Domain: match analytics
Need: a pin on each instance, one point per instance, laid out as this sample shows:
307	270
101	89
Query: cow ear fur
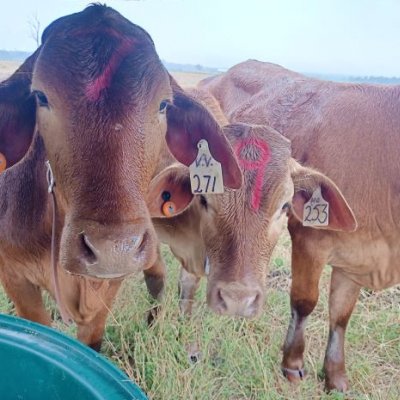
175	181
17	113
306	181
188	122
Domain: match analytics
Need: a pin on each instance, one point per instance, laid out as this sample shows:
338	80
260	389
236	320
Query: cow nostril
143	243
253	304
221	300
88	250
249	301
256	300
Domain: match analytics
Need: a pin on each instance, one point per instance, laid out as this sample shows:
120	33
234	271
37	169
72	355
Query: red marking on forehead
103	81
98	31
257	165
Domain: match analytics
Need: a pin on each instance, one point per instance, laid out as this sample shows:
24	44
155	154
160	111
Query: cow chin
100	251
244	298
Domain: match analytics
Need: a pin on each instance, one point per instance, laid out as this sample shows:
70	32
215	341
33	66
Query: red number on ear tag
3	162
169	209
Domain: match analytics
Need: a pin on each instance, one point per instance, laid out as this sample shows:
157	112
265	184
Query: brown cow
233	234
96	102
351	132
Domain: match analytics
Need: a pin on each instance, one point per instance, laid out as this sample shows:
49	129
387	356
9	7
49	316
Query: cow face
97	94
239	229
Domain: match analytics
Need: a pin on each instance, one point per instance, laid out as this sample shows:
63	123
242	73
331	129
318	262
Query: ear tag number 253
206	172
316	210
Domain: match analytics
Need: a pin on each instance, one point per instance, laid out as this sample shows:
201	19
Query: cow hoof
338	382
152	315
96	346
293	375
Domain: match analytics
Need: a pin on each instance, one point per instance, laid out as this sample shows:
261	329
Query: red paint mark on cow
257	165
97	31
103	81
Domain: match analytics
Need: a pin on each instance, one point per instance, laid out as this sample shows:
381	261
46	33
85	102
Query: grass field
240	359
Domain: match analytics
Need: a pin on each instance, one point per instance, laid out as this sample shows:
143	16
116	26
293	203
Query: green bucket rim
70	355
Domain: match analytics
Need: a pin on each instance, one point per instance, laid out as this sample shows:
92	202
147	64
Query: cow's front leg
306	273
155	282
155	277
26	297
94	303
188	285
342	299
91	331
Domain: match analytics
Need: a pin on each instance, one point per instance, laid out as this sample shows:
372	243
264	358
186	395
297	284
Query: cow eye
41	98
286	207
203	202
163	106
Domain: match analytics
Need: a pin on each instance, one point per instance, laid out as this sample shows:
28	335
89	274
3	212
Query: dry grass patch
188	79
240	359
7	68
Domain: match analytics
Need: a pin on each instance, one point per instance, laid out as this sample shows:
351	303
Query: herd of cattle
119	133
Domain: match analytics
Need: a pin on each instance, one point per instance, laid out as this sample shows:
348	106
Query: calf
95	101
351	132
230	236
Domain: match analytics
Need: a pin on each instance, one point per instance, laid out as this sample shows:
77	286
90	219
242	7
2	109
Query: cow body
350	132
96	101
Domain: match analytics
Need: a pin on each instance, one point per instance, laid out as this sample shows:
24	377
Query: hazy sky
328	36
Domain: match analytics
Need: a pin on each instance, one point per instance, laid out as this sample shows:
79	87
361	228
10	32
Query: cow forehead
263	158
89	58
263	155
235	209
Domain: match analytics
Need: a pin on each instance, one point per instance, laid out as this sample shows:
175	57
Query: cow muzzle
236	299
107	252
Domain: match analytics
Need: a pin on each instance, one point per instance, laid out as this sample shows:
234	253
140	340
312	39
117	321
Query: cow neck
66	317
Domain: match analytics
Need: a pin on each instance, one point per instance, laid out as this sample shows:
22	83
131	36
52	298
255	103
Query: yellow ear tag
3	162
169	209
205	172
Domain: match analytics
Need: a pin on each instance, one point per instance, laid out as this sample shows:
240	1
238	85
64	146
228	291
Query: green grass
240	359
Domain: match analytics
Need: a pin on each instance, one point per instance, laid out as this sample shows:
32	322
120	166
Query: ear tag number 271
206	172
316	210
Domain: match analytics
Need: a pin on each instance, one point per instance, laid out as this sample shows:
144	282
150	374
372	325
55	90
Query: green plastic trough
37	362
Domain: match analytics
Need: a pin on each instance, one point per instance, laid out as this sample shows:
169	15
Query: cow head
239	229
97	94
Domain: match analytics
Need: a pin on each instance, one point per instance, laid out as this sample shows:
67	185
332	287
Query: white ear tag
205	172
207	266
316	210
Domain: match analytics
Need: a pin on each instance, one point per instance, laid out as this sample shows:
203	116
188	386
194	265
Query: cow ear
306	181
17	114
188	122
171	185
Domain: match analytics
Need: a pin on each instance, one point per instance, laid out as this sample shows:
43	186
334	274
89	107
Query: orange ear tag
3	162
169	209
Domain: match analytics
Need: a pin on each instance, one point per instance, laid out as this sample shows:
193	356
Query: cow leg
342	299
91	332
95	303
306	273
155	278
155	282
27	298
188	285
